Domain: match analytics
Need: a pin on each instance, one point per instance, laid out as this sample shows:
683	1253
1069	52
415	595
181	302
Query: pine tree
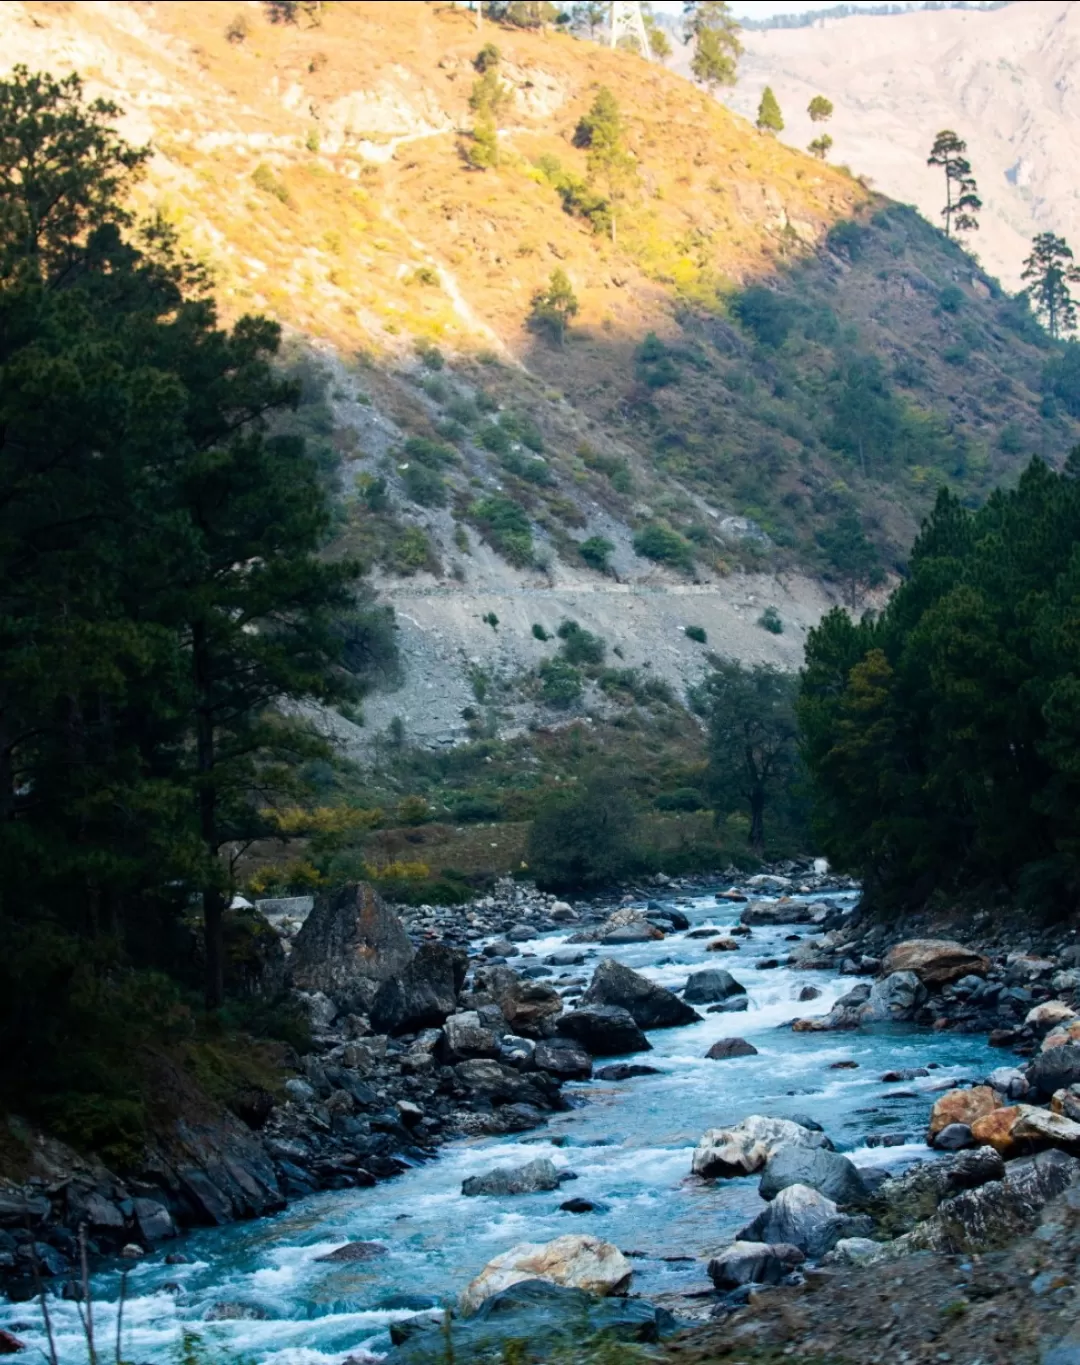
962	200
820	109
711	27
769	118
1050	270
610	163
820	147
553	308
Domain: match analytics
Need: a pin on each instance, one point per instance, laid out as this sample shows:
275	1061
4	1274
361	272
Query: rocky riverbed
691	1096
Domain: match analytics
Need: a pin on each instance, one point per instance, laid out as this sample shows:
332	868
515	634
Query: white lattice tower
627	22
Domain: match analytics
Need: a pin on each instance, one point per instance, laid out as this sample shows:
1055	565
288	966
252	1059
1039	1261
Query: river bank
262	1289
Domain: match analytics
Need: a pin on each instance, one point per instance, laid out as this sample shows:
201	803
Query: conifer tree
769	118
820	147
711	27
962	200
820	109
554	308
1050	270
610	163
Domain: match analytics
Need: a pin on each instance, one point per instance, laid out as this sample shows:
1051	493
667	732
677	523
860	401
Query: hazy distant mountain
1007	80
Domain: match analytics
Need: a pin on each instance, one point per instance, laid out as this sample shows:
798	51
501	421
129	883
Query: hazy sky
762	9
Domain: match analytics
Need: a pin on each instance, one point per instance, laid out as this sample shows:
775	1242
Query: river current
629	1144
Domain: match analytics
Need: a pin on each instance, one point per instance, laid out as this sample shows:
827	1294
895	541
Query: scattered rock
563	1057
604	1030
898	997
805	1218
961	1106
1049	1013
464	1038
705	988
10	1344
235	1312
783	911
578	1262
1018	1129
723	945
352	1252
827	1172
935	961
423	994
809	993
580	1205
954	1137
625	1071
731	1047
650	1005
533	1178
745	1147
1054	1070
754	1263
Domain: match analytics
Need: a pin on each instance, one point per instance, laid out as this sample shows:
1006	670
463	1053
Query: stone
855	1251
628	925
563	912
784	911
10	1344
563	1057
566	957
533	1178
353	1252
724	1048
154	1221
579	1205
1049	1013
705	988
737	1004
320	1009
235	1312
349	944
754	1263
1018	1129
625	1071
1055	1069
961	1106
896	998
574	1261
723	945
827	1172
918	1191
954	1137
526	1005
423	994
1061	1036
745	1147
809	993
132	1251
935	961
650	1005
515	1051
1009	1081
1067	1102
464	1038
498	1083
604	1030
802	1217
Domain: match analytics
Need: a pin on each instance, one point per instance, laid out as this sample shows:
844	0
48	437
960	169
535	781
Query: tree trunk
213	899
757	820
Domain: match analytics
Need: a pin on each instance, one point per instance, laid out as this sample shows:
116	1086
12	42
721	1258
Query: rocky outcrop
895	998
1054	1069
527	1006
754	1263
423	994
575	1261
604	1030
532	1178
1015	1130
724	1048
935	961
650	1005
803	1217
961	1106
827	1172
348	946
745	1147
707	987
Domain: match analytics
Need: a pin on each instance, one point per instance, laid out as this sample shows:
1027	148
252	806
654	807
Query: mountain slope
1005	80
771	371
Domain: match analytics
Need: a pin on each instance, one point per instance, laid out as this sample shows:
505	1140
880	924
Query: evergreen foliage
820	147
554	308
820	109
769	117
942	737
1050	270
610	164
585	838
962	200
711	27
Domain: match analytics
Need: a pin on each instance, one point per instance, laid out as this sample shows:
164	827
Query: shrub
410	551
430	355
764	313
663	545
267	181
415	810
683	798
696	633
430	453
554	308
847	239
495	438
539	633
476	806
584	838
770	620
580	646
423	485
237	29
951	298
491	620
486	58
1061	378
505	525
481	152
596	551
655	363
561	685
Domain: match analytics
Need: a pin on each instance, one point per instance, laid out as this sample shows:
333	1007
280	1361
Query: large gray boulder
781	911
935	961
746	1146
802	1217
533	1178
465	1038
707	987
753	1263
348	946
527	1006
651	1006
563	1057
895	998
604	1030
424	994
827	1172
1055	1069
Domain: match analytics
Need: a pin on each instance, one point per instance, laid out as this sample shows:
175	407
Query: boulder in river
625	1071
723	945
961	1106
628	925
526	1005
754	1263
576	1261
533	1178
424	993
895	998
705	988
604	1030
805	1218
651	1006
935	961
724	1048
1017	1129
745	1147
1054	1070
735	1004
827	1172
563	1057
349	944
783	911
353	1252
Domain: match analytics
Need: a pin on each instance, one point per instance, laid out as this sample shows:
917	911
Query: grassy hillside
742	352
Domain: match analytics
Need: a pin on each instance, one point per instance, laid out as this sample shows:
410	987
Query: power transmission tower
627	22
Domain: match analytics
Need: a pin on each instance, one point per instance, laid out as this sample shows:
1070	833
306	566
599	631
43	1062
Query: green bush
596	551
431	453
1061	378
495	438
267	181
560	682
696	633
505	525
847	239
682	799
656	363
584	839
951	299
766	314
770	620
425	486
476	807
580	646
539	633
665	546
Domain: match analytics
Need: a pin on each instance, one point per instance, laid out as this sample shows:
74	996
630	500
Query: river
630	1145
